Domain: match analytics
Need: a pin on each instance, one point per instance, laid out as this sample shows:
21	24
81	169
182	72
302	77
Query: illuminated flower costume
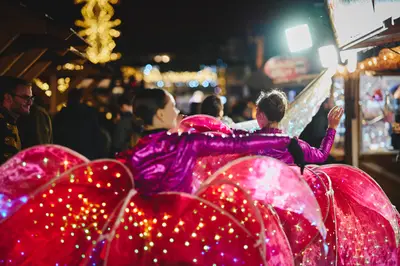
191	199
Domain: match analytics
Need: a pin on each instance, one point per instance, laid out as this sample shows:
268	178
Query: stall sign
286	68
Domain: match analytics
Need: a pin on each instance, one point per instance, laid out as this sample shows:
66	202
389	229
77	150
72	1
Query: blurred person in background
77	127
125	133
104	106
315	131
243	111
16	99
36	128
212	106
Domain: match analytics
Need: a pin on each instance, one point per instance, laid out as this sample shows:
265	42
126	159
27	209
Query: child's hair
273	104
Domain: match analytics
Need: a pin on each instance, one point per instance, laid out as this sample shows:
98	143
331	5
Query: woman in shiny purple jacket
164	161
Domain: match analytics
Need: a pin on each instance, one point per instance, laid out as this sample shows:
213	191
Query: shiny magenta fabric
203	123
311	154
164	161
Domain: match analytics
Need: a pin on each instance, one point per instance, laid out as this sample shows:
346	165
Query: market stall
367	84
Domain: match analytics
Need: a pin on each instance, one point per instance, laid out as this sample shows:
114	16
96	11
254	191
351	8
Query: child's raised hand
334	117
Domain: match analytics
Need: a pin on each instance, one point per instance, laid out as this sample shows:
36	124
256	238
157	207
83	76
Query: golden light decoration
388	59
41	85
61	106
70	66
128	71
99	29
63	84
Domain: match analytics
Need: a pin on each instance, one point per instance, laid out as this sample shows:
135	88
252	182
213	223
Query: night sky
190	28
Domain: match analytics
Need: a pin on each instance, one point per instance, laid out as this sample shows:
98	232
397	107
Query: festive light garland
62	85
386	60
154	75
99	30
70	67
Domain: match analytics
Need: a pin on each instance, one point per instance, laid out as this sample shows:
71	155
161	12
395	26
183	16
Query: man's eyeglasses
26	98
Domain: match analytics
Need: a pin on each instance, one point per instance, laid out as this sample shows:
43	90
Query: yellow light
165	58
109	116
60	106
99	29
70	67
158	58
62	88
115	56
154	75
42	85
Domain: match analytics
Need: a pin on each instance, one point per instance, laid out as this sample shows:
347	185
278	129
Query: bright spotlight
328	56
299	38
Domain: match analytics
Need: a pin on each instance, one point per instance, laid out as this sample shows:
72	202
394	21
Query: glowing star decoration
99	29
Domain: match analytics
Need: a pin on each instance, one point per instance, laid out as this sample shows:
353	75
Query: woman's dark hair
147	102
211	105
273	104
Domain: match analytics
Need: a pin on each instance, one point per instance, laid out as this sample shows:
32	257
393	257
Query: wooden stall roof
29	45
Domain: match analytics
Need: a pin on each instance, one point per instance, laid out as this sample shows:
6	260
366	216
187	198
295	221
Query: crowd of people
105	124
187	191
101	126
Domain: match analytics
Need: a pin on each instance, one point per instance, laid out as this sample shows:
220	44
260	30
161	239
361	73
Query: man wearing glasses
15	100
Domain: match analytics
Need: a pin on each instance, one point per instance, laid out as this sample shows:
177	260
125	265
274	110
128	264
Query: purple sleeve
210	144
314	155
